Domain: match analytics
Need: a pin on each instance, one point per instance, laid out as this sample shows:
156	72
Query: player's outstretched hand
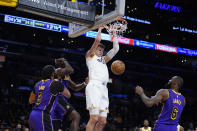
139	90
60	62
102	27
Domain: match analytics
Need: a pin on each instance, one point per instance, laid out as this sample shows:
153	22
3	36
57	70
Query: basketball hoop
119	26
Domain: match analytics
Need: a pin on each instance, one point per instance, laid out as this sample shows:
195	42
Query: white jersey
97	69
149	129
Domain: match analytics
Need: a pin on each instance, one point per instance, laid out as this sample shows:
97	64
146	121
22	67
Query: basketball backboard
108	12
62	10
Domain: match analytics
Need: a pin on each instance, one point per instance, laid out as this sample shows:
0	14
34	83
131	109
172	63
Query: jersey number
39	98
174	113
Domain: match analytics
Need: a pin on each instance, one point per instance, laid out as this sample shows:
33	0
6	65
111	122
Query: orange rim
121	19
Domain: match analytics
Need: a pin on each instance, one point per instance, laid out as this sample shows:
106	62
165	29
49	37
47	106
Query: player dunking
173	104
96	91
44	95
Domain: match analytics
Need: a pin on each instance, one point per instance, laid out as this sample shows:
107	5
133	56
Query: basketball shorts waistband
98	82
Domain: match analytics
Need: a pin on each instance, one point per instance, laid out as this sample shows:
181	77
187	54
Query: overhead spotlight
184	60
62	39
34	35
147	37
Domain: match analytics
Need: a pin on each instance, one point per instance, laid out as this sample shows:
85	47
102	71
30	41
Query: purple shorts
40	121
163	127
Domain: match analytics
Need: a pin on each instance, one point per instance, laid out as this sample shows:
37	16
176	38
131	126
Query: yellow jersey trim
42	120
66	78
100	109
176	92
45	80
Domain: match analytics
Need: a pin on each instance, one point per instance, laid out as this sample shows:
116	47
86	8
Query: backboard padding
99	21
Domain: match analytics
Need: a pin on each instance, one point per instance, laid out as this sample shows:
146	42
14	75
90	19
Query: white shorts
97	100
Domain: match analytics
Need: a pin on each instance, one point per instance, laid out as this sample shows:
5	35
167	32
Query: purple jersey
59	110
172	109
46	92
65	81
44	97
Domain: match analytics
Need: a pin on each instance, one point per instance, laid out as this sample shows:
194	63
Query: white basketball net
119	26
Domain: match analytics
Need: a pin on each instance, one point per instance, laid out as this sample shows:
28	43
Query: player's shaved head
179	80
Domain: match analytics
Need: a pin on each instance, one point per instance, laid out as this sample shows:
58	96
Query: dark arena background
160	42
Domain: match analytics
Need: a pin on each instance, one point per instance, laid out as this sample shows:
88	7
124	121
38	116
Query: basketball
118	67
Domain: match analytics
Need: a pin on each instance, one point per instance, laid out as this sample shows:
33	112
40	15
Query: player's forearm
115	48
115	44
66	93
69	66
67	69
146	100
97	39
95	44
77	87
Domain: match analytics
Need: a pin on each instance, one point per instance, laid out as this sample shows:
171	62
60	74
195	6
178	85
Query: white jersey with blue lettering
97	101
97	69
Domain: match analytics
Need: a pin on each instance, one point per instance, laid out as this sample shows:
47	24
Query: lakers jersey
172	109
97	69
58	111
44	97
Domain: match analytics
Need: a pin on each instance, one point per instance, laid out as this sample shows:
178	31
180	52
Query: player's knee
94	119
75	115
102	121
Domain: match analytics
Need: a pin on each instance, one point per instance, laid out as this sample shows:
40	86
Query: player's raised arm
161	96
114	50
90	53
66	68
